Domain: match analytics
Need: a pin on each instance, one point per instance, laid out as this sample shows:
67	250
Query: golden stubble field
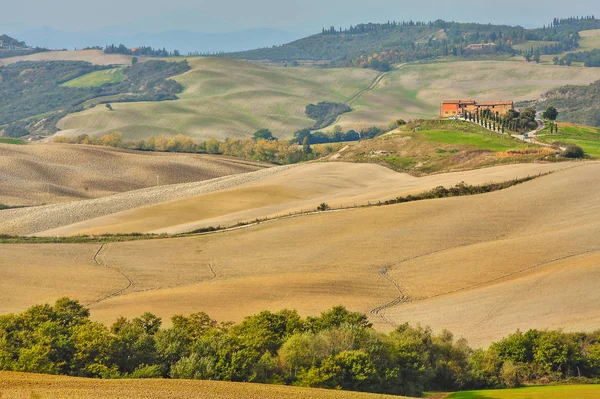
244	197
39	173
482	266
27	386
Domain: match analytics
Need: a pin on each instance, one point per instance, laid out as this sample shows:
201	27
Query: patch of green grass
98	78
489	141
585	137
9	140
545	392
399	163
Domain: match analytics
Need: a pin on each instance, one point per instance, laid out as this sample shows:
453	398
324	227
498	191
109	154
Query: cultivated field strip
38	173
278	192
21	385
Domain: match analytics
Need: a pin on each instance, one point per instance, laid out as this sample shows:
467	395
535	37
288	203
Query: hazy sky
299	16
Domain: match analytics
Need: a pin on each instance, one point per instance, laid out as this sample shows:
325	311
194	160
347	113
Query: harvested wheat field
97	57
482	266
38	173
228	200
25	386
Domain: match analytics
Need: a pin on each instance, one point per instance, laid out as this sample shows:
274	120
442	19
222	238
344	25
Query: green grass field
9	140
585	137
98	78
483	141
546	392
433	146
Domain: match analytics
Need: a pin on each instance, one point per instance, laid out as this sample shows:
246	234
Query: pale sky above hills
302	17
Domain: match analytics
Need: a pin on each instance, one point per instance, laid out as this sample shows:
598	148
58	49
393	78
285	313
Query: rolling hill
38	174
432	254
226	98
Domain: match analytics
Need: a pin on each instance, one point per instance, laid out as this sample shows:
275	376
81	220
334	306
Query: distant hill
577	104
183	40
393	42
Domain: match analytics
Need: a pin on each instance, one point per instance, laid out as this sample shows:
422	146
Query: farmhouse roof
499	102
469	101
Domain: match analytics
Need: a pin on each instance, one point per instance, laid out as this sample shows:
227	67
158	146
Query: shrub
145	371
573	151
323	207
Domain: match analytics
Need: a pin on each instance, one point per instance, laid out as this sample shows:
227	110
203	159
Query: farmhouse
451	108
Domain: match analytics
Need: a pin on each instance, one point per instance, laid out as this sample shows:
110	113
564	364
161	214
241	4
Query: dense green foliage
338	349
380	45
589	58
326	113
577	104
29	89
11	141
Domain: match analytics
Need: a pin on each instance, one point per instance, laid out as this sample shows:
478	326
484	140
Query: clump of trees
325	113
338	349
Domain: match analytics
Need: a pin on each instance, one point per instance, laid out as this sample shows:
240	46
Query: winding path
358	95
100	261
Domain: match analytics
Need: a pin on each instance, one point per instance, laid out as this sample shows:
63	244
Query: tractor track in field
100	261
358	95
403	298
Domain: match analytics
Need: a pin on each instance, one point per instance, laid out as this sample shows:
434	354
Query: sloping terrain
482	266
21	385
244	197
226	98
37	174
416	91
96	57
433	146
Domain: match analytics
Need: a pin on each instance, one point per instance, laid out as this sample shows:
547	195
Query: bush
323	207
573	151
145	371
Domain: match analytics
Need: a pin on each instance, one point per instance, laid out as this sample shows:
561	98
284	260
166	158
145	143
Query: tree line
262	147
144	51
338	349
515	121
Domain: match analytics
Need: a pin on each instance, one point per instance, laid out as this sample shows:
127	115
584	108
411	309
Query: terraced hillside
21	385
226	98
37	174
532	262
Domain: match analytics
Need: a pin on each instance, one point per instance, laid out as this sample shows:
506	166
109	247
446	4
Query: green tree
551	113
264	134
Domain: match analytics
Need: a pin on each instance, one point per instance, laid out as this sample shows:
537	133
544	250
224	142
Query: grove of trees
338	349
